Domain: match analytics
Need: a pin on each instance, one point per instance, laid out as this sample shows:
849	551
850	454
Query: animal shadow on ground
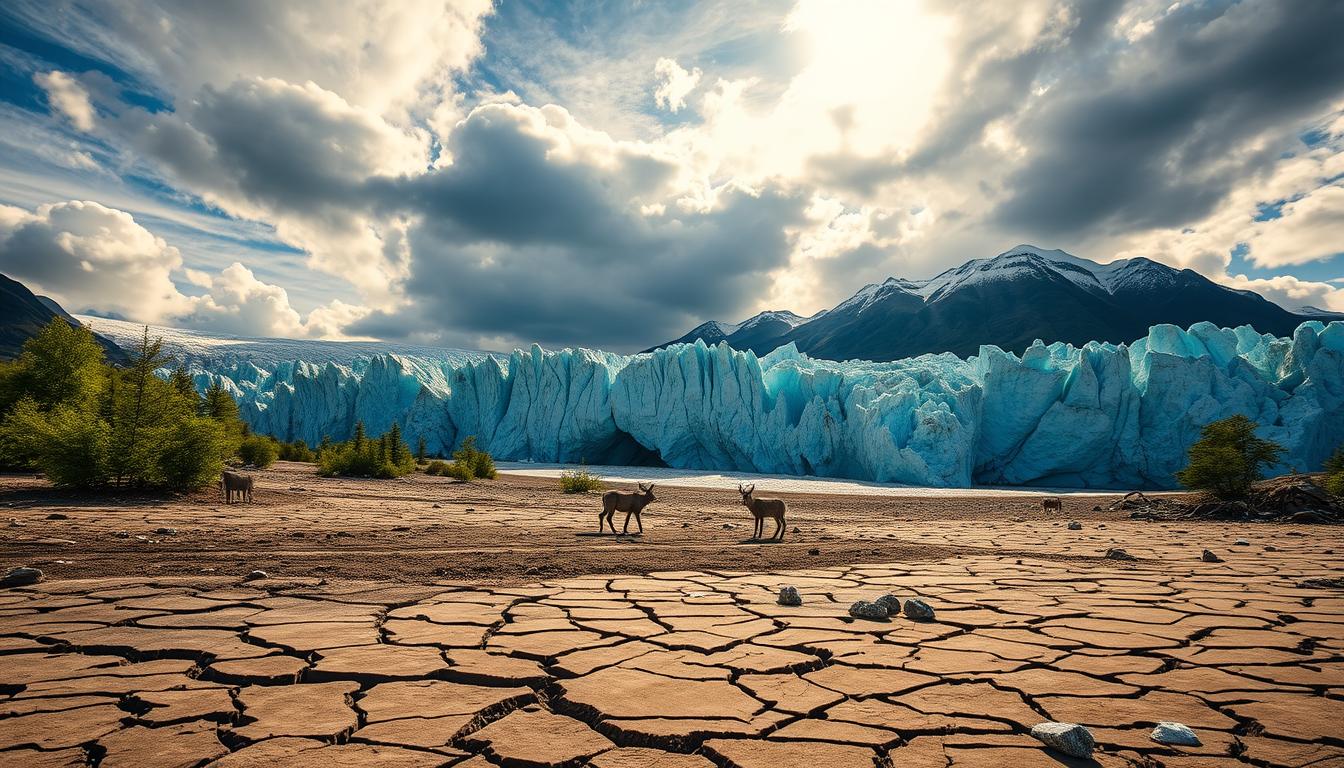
760	541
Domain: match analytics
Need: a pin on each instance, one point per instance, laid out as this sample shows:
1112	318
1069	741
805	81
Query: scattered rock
344	534
891	602
1271	548
1074	525
166	531
1070	738
1096	507
1176	734
790	596
21	576
57	516
918	610
255	575
685	525
729	526
1116	553
122	535
814	551
1242	543
1209	557
866	610
1306	516
1019	519
440	506
1322	583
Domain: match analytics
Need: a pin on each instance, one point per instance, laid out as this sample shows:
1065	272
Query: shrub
384	457
579	481
436	467
193	453
297	451
1334	472
459	472
478	462
258	451
1228	458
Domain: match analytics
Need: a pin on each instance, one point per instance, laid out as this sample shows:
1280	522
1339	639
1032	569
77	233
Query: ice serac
1101	415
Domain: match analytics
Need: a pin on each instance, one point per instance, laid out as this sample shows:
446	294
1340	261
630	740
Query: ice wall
1097	416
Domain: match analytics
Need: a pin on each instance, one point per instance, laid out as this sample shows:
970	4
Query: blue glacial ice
1103	415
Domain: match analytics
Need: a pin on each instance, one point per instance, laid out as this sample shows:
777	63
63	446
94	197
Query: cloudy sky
610	174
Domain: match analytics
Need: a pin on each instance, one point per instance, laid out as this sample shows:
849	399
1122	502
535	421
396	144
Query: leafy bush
436	467
1228	458
258	451
193	453
579	481
297	451
385	457
87	424
479	463
1334	472
459	472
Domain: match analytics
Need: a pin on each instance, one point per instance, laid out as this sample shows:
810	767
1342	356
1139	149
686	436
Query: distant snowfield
694	478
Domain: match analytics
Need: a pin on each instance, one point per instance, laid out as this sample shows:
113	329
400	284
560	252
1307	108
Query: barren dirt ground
515	528
426	623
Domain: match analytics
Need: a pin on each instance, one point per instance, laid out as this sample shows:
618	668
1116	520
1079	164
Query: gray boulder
1116	553
918	610
866	610
790	596
1177	734
1074	525
256	575
1069	738
21	576
891	602
1209	557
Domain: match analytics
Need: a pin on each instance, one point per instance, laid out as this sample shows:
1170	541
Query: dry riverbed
422	622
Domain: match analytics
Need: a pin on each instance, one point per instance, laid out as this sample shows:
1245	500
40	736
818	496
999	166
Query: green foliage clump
259	451
472	459
1334	472
88	425
1228	458
297	451
436	467
579	481
386	456
459	472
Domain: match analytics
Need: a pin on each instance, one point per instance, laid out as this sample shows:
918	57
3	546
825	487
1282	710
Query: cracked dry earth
699	668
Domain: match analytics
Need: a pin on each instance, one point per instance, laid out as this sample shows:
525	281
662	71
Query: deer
629	503
233	482
762	509
1052	503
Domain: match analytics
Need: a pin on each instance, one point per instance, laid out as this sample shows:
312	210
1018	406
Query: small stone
21	576
1071	739
796	530
729	526
1209	557
1019	519
866	610
1074	525
1177	734
1271	548
122	535
58	516
255	575
790	596
440	506
891	602
814	551
918	610
166	531
1096	507
685	525
1242	543
1116	553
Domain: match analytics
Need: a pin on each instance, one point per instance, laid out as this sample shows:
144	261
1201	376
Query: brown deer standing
233	482
1052	503
762	509
629	503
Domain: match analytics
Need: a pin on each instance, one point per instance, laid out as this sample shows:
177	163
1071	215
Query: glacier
1097	416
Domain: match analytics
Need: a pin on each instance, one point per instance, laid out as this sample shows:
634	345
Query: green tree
72	446
480	463
259	451
1228	458
145	404
192	453
420	448
61	365
1334	472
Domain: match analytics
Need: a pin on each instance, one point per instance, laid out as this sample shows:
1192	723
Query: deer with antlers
762	509
629	503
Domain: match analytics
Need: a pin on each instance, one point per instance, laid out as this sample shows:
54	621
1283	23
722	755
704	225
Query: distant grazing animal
1052	504
233	482
762	509
629	503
